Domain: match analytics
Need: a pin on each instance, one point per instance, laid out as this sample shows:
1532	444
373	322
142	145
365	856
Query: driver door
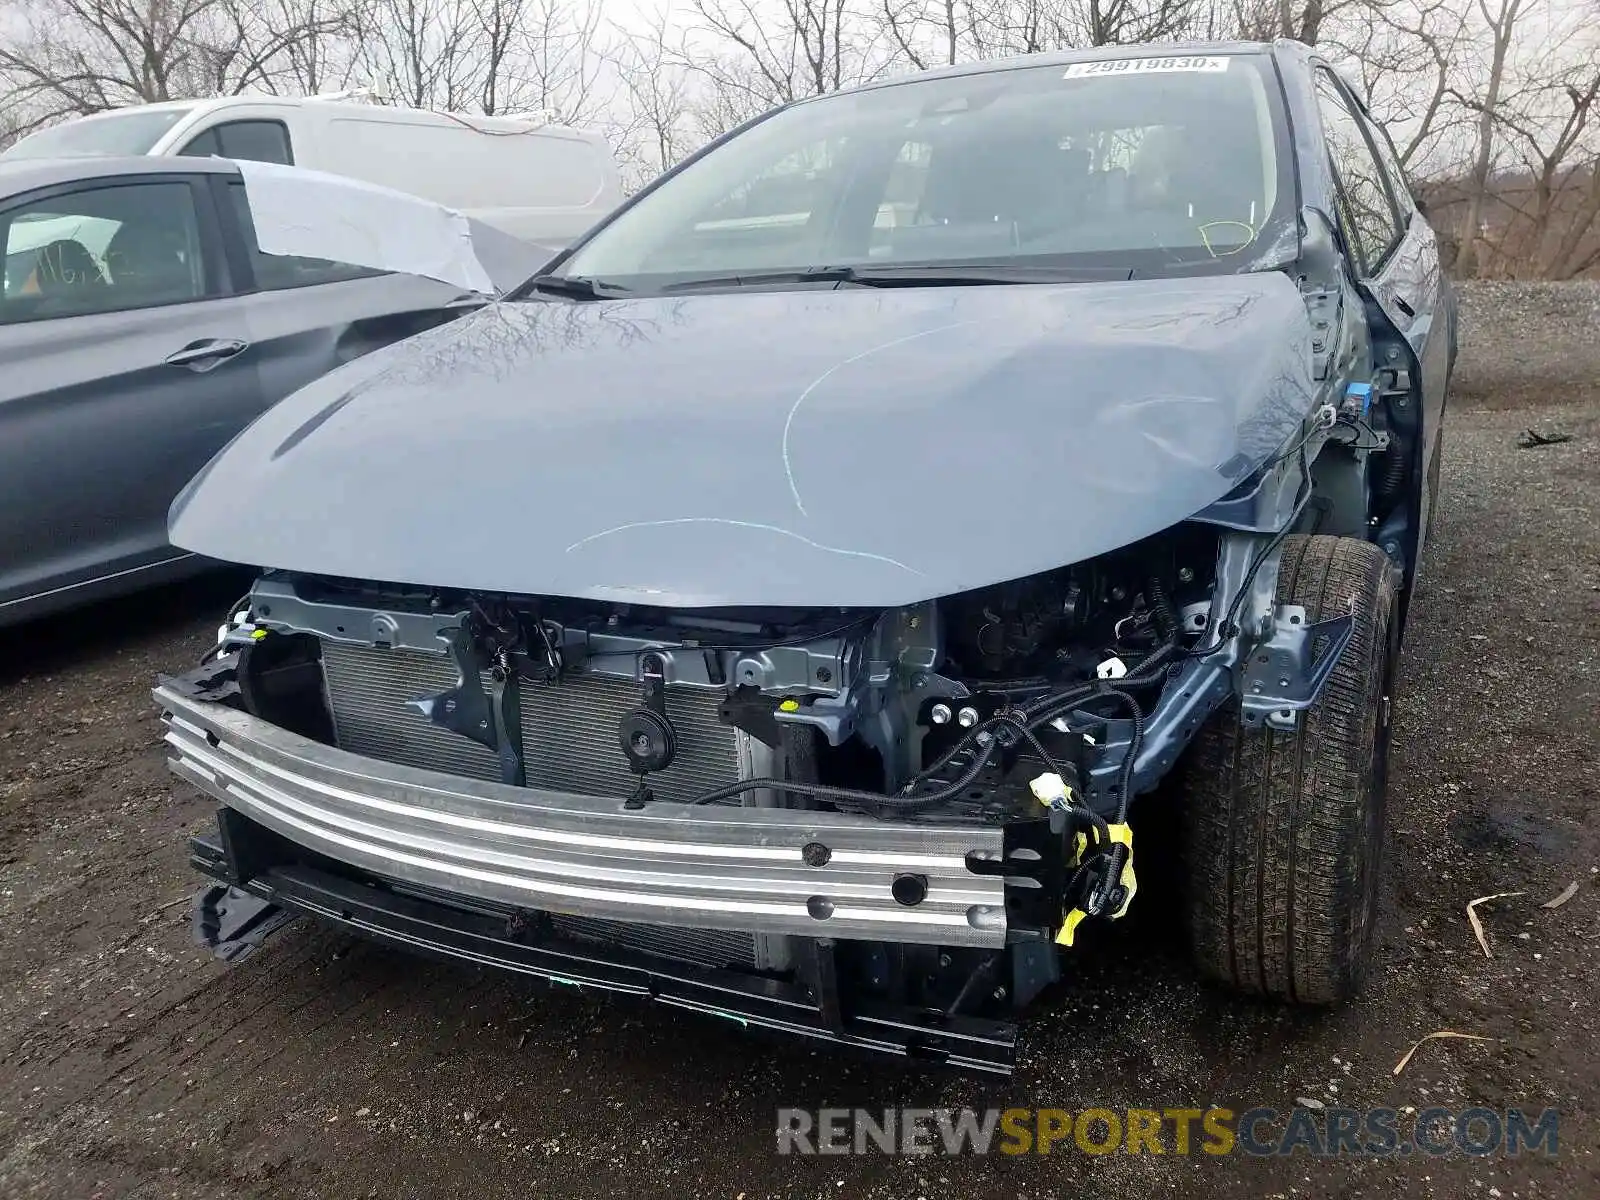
127	365
1396	260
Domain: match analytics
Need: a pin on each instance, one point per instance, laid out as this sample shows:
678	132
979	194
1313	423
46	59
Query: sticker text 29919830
1147	66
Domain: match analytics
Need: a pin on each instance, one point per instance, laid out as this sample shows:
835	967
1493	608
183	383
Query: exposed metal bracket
1285	674
489	716
823	666
232	923
1358	434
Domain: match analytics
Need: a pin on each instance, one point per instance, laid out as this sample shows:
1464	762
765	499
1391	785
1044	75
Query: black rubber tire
1284	831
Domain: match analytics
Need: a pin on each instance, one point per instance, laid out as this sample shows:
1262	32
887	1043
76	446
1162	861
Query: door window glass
101	249
1390	161
1369	214
253	141
205	145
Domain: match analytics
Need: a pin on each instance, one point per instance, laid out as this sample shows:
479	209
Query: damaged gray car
776	608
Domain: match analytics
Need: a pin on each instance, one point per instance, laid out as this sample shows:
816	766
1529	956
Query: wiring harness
982	741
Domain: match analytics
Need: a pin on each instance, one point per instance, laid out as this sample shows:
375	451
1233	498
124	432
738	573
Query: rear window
276	272
132	132
460	167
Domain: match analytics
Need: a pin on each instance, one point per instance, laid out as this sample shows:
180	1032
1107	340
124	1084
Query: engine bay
946	709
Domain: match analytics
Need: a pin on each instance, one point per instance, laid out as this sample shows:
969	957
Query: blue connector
1362	392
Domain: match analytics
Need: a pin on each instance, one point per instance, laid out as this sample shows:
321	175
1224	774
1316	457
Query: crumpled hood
837	447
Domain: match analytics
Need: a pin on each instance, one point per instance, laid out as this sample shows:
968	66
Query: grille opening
569	735
569	729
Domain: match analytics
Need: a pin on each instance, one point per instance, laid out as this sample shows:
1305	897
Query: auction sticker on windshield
1147	66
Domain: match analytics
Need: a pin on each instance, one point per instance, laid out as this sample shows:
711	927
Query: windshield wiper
757	278
912	275
890	275
575	287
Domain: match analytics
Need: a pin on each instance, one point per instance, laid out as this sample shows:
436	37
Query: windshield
122	133
1151	165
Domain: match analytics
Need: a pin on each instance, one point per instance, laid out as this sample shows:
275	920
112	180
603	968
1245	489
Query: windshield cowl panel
1151	166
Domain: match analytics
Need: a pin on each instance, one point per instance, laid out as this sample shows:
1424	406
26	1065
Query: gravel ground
1528	344
132	1065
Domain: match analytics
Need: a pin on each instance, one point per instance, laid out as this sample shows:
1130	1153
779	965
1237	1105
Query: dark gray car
140	329
779	607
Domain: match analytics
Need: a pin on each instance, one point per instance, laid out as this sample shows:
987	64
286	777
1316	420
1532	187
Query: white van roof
545	183
354	102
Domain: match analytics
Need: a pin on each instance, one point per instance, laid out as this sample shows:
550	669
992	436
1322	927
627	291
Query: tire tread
1284	828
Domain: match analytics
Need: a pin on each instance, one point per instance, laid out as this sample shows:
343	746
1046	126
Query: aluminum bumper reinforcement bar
762	870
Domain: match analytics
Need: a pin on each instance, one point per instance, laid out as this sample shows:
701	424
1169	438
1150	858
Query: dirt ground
131	1064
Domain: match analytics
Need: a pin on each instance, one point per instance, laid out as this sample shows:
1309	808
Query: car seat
151	260
1200	184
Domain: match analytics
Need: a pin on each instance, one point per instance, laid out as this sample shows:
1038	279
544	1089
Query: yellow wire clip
1129	881
1053	792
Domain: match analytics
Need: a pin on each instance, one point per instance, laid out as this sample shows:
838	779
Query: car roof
1052	58
167	105
24	174
519	122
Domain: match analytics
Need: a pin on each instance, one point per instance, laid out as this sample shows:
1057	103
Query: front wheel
1284	830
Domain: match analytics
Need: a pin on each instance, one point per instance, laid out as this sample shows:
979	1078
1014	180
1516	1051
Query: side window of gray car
109	248
1371	223
1398	184
275	272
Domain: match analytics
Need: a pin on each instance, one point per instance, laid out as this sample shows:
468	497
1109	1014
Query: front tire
1284	830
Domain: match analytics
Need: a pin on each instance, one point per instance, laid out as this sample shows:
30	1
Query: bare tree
1263	20
658	88
324	59
925	32
1500	21
1113	22
998	28
271	46
1408	55
1495	102
560	63
781	52
498	27
1577	251
728	92
420	52
1551	201
74	57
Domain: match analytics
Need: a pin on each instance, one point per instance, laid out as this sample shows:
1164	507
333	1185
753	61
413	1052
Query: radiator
569	739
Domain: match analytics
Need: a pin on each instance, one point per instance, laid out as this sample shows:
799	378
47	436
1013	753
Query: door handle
205	354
